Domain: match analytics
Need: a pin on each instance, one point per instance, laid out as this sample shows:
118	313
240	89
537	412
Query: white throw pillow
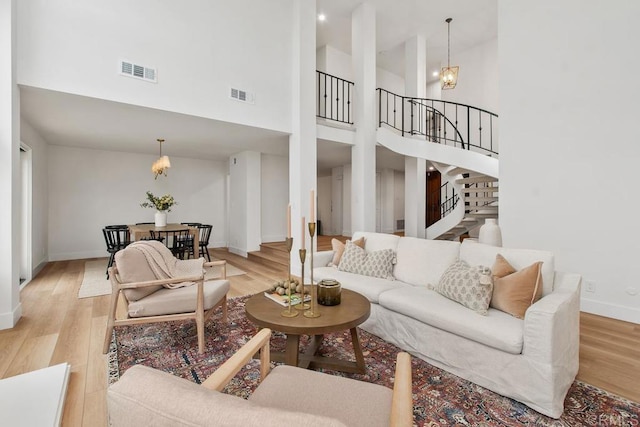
375	264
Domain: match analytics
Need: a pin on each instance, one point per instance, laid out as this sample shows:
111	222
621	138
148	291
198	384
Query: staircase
458	140
270	253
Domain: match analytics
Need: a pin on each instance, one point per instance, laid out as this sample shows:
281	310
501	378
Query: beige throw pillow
469	286
515	291
338	250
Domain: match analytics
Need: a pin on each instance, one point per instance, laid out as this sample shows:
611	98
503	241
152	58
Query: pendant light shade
161	165
449	74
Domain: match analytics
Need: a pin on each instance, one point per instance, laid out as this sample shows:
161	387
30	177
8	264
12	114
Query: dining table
139	231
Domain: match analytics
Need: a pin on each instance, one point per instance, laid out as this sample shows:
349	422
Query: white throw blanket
165	266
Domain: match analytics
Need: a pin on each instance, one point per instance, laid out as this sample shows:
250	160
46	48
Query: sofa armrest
552	325
322	258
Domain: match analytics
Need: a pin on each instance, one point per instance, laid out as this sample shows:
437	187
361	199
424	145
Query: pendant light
161	165
449	74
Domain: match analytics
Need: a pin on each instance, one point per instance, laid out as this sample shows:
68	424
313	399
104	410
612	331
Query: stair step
268	258
481	199
274	248
492	189
476	179
484	215
460	171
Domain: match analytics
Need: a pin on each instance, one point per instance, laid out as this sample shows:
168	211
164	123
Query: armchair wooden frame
402	401
200	315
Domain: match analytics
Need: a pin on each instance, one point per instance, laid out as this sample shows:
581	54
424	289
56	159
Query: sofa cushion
148	397
338	250
370	287
497	329
467	285
421	262
475	253
515	291
355	403
178	300
377	241
375	264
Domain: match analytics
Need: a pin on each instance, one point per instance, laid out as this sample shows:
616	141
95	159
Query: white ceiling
72	120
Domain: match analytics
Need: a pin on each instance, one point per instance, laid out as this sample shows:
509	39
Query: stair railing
443	122
334	98
450	200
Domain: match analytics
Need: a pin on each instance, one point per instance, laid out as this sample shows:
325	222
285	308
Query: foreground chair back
286	396
149	300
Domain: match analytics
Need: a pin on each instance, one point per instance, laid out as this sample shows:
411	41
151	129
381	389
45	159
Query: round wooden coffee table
351	312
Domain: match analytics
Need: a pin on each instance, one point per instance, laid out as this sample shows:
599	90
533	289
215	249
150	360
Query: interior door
433	197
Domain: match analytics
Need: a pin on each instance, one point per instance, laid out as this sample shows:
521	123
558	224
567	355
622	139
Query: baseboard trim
274	238
64	256
9	319
238	251
614	311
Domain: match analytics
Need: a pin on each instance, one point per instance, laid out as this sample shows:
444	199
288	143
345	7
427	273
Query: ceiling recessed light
321	17
436	74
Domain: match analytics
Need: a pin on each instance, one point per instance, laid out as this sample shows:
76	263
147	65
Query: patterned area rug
95	282
440	398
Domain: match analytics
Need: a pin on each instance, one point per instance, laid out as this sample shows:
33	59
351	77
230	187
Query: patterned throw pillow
338	250
375	264
469	286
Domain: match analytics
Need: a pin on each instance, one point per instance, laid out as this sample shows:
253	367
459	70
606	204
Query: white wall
89	189
398	202
324	204
569	136
40	195
346	201
200	49
275	197
339	64
478	77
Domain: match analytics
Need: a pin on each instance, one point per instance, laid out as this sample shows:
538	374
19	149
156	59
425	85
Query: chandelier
161	165
449	74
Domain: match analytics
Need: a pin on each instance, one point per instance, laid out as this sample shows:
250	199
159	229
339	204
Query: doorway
433	197
25	214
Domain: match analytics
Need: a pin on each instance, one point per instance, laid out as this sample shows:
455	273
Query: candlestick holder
303	305
288	312
313	310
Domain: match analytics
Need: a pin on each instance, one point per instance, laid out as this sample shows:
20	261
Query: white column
363	153
302	142
245	202
10	308
388	200
415	169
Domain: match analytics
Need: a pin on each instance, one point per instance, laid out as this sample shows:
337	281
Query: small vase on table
161	218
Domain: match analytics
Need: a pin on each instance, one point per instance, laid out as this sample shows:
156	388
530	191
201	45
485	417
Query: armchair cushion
355	403
145	396
179	300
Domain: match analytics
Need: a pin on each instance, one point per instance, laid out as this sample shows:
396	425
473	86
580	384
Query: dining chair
286	395
134	281
116	237
189	242
205	235
175	240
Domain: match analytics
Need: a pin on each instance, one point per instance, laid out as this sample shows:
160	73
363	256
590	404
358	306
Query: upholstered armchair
285	396
149	299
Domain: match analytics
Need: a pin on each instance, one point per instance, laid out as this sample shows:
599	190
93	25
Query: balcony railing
334	98
443	122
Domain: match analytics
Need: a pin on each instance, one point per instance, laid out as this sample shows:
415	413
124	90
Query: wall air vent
130	69
241	95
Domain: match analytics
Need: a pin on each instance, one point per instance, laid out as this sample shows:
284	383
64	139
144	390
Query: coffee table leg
291	350
357	350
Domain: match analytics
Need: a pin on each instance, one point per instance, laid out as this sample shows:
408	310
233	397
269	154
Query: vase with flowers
162	205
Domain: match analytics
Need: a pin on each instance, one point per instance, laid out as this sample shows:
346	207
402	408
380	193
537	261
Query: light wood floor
57	326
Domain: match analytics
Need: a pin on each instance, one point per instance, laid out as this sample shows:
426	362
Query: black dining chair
190	250
116	237
175	240
205	235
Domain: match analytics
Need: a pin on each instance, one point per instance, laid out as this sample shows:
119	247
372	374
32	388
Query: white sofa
532	360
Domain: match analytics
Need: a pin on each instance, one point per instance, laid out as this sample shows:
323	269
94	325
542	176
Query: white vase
490	233
161	218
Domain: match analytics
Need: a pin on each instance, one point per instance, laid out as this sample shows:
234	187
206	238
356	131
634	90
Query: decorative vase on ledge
490	233
161	218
